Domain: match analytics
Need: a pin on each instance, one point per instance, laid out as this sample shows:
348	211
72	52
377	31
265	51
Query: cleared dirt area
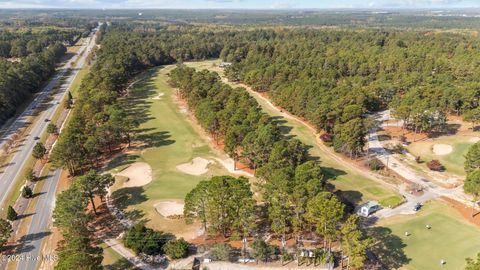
138	174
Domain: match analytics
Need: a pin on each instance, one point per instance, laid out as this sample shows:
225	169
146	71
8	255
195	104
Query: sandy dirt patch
183	110
159	97
228	164
442	149
169	208
138	174
474	139
197	166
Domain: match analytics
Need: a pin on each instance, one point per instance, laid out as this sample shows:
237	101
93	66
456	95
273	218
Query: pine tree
11	213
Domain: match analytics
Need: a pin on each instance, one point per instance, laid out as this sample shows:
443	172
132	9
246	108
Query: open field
450	238
452	161
167	139
355	187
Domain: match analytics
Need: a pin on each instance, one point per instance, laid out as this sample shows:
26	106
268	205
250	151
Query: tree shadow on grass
130	196
121	264
155	139
332	173
281	123
309	156
388	248
351	198
120	161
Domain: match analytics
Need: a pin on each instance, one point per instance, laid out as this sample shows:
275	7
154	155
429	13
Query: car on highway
46	120
36	138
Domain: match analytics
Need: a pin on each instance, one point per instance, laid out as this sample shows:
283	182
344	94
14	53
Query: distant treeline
444	19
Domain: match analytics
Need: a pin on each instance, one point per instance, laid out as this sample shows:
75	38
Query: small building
367	208
224	64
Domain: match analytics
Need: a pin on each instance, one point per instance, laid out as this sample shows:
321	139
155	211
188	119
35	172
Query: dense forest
330	77
28	56
19	80
20	43
292	188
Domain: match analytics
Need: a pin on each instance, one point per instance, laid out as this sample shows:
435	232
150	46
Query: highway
41	220
13	169
30	252
31	256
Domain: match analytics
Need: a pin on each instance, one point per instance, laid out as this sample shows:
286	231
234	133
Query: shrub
176	249
51	128
326	137
435	165
30	176
375	164
262	250
27	192
221	252
11	213
145	240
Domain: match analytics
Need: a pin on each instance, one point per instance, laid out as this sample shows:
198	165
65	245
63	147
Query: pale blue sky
239	4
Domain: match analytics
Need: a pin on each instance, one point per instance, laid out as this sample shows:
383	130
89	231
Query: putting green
450	238
169	139
453	161
355	187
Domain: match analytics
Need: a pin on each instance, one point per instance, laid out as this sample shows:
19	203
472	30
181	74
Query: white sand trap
197	166
138	174
474	139
159	97
442	149
169	208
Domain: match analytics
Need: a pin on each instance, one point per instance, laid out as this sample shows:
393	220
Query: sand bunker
442	149
138	174
197	166
169	208
159	97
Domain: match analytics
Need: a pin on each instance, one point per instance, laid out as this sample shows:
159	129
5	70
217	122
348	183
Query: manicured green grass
78	80
454	161
355	187
450	238
170	140
113	260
